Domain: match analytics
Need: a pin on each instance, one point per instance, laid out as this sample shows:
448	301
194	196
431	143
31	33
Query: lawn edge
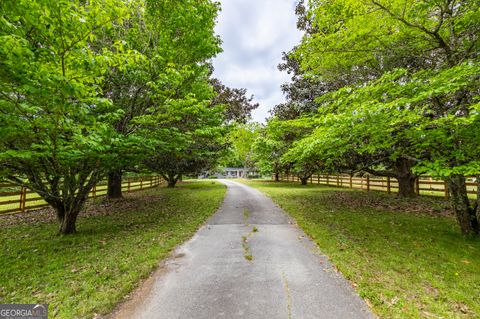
139	294
353	284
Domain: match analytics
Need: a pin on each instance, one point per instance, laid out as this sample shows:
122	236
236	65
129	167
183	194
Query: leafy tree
186	137
396	114
242	138
239	107
269	147
81	82
56	136
293	131
359	41
171	36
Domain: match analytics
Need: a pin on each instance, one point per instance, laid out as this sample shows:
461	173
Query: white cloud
254	34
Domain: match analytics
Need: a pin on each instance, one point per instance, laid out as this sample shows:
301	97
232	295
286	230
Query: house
234	172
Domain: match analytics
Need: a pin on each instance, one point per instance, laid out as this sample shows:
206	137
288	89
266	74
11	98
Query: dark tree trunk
114	190
466	214
304	180
68	224
171	179
277	177
406	186
406	178
67	217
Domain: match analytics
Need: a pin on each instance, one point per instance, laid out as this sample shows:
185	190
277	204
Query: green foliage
56	134
396	85
395	116
188	136
92	87
360	39
242	138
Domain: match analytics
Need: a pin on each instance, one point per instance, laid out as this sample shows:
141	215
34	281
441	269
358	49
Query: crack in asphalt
288	295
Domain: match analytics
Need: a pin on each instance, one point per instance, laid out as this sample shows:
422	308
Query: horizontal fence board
423	185
12	201
4	194
36	206
34	199
29	200
10	211
2	185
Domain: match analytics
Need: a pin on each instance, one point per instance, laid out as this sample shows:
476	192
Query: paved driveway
249	261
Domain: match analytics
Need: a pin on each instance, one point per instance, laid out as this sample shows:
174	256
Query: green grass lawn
406	258
118	244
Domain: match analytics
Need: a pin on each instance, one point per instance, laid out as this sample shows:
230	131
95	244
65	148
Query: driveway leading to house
249	261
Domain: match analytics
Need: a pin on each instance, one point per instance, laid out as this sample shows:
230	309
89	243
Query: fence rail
15	199
423	185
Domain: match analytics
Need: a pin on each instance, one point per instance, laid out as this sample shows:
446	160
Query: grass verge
406	258
118	244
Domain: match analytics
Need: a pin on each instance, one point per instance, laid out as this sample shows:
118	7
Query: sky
254	35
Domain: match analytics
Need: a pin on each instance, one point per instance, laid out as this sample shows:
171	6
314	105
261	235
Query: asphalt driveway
249	261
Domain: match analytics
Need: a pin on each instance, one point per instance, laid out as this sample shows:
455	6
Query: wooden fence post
389	190
311	179
338	181
94	191
141	183
447	193
23	199
351	181
417	185
368	183
318	179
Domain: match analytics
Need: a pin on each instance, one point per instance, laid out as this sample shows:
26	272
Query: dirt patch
93	208
430	206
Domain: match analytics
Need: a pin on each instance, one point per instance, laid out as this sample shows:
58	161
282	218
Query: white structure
234	172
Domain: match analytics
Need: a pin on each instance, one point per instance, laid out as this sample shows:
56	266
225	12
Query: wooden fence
15	199
423	185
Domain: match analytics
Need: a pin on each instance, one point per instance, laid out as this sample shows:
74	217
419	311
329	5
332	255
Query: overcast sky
254	34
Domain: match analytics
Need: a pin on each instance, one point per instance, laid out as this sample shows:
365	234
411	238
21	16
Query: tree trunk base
114	190
406	187
68	224
466	213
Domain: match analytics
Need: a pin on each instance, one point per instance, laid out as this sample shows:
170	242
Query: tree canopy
389	88
90	89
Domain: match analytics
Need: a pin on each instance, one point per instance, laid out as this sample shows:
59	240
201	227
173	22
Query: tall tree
396	114
242	138
172	36
56	136
238	107
193	146
359	41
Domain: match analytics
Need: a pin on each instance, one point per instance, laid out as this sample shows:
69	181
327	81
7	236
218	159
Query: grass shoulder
118	244
407	258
